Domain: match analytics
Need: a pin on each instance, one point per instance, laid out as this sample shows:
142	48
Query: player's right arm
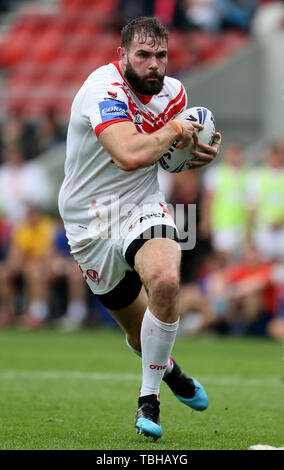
105	106
131	150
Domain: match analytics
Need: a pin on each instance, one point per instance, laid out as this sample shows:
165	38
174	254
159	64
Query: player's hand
205	153
189	133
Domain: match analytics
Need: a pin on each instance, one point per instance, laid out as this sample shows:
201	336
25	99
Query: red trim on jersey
100	127
174	100
143	99
174	107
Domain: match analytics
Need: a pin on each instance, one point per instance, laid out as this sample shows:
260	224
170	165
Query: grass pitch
79	391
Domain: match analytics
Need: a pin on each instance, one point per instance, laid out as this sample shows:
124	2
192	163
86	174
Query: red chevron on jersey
150	122
175	105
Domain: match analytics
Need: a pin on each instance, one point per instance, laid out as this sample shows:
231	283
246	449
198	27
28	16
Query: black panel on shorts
124	293
130	286
156	231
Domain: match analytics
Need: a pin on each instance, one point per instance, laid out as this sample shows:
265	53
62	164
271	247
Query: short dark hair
144	26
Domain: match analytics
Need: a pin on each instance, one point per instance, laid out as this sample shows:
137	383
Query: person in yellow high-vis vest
224	209
266	196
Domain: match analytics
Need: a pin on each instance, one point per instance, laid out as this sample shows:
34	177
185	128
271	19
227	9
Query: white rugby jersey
91	177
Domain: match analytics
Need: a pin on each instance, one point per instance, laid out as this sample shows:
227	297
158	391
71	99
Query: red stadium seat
67	22
15	48
102	8
47	48
27	71
107	43
61	71
34	22
74	5
39	99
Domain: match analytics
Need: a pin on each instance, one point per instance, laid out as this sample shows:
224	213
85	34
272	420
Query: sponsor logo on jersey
112	109
146	217
138	118
154	214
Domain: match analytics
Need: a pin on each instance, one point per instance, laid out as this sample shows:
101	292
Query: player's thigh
158	260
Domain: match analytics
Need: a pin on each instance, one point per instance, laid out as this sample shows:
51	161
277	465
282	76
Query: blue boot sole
148	428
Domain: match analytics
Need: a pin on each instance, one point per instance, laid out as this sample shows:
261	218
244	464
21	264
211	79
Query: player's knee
164	287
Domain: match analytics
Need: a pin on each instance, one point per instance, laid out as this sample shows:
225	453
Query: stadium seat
35	23
67	22
75	5
46	49
61	70
15	47
28	71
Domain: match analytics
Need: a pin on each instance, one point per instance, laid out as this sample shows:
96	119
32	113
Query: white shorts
104	261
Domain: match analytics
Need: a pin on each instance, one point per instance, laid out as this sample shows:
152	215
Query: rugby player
121	234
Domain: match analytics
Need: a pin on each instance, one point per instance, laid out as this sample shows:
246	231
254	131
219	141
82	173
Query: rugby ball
175	160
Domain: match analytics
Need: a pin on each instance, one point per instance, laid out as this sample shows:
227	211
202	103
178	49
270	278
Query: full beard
142	85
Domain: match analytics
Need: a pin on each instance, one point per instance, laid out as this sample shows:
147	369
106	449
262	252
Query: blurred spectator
266	197
28	257
130	10
204	305
165	11
5	234
185	190
49	132
19	132
202	14
196	313
268	18
251	294
22	184
224	211
275	327
64	266
7	5
241	295
168	12
237	13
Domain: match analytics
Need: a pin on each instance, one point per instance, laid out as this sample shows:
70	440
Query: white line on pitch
78	375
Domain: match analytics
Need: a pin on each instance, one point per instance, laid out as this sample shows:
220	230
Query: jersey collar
143	99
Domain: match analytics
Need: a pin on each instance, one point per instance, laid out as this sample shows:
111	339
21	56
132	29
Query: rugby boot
187	389
147	419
